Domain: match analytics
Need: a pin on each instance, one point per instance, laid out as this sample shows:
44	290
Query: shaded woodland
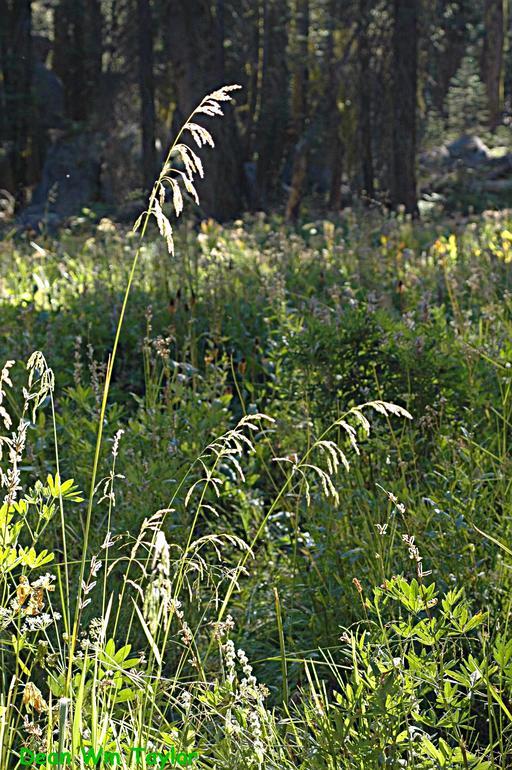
340	101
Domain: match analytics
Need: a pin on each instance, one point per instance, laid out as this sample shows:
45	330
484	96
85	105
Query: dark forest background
377	100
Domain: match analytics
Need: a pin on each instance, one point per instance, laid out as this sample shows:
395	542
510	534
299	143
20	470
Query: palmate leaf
29	558
8	559
68	490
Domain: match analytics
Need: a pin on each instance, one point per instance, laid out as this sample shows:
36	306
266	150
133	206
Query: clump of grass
88	694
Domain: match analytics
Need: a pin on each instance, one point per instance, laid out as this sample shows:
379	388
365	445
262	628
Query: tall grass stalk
210	105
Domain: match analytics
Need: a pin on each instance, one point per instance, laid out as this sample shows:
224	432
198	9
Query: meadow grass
295	548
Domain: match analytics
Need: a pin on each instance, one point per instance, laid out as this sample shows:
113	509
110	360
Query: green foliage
466	101
204	507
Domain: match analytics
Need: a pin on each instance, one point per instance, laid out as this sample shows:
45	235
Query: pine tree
466	101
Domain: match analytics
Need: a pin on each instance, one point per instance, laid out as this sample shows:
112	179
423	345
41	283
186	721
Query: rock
121	159
250	184
470	150
49	114
49	96
435	157
494	185
70	180
38	219
501	166
7	204
47	86
468	167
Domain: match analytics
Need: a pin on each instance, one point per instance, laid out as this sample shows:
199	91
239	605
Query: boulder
48	96
70	179
435	157
469	150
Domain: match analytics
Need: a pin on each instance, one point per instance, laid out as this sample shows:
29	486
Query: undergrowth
293	550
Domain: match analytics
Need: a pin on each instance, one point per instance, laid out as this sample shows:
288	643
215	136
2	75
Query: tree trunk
69	56
299	172
220	11
301	73
252	86
195	45
492	58
365	100
17	75
147	92
4	56
93	64
336	175
273	100
405	65
332	111
78	54
444	58
299	110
